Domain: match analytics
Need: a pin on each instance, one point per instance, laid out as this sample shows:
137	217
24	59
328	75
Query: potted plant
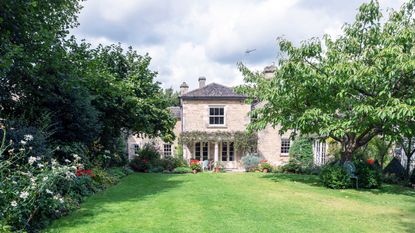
266	167
218	166
195	167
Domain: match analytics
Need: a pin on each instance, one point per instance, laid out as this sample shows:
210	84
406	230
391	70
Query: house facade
216	110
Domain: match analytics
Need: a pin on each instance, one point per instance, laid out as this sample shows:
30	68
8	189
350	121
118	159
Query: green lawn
239	202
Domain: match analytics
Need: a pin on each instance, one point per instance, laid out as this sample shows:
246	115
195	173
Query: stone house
218	112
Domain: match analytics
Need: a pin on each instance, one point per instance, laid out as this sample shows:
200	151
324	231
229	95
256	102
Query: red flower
193	161
81	172
370	161
264	161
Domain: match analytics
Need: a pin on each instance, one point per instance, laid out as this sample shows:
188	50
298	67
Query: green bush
182	170
139	165
370	175
196	166
103	178
334	176
156	169
266	166
169	163
149	153
301	156
250	161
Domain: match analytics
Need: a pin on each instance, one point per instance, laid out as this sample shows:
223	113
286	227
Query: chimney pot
202	82
184	88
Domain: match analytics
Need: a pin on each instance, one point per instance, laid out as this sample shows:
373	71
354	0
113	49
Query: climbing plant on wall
243	141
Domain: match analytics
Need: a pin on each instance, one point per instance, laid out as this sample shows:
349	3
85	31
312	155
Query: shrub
103	178
169	163
149	153
139	164
334	176
301	156
196	166
291	167
156	169
250	161
266	166
370	175
182	170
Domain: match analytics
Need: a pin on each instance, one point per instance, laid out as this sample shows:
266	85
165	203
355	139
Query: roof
213	91
176	112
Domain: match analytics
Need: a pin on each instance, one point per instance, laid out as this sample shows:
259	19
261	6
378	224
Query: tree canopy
88	95
350	88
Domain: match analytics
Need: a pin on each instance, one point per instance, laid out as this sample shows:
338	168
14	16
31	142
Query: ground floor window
319	151
285	146
228	151
136	148
201	151
167	149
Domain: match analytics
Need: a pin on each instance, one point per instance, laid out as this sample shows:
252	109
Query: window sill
217	126
284	155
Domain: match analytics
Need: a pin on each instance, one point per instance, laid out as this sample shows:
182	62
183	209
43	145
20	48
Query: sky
187	39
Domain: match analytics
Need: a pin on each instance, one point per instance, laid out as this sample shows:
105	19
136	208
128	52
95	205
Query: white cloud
188	39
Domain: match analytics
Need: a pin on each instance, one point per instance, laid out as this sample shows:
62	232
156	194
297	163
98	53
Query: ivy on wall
243	141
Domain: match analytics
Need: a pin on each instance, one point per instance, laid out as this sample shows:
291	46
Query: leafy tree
172	97
301	153
349	88
126	94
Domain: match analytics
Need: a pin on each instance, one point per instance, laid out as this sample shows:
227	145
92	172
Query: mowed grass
239	202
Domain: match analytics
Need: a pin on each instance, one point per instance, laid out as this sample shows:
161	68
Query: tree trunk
408	166
347	153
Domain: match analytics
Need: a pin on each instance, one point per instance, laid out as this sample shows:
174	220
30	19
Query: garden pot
217	169
265	170
194	171
257	171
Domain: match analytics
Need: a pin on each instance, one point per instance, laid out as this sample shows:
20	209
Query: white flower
33	180
67	161
24	195
56	197
40	165
61	200
45	178
32	160
28	137
38	158
48	191
23	142
1	191
107	151
13	203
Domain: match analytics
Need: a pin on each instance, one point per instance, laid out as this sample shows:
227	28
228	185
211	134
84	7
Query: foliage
178	152
292	168
181	170
266	166
139	164
244	141
334	176
370	175
301	155
350	88
171	97
169	163
378	149
250	161
196	166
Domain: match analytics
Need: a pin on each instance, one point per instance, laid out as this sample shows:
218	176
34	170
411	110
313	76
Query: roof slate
213	90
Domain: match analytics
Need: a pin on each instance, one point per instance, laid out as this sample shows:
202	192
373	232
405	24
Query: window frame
283	146
201	146
136	148
217	116
229	153
168	152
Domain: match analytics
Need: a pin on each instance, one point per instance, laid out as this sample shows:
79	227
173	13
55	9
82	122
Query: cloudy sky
191	38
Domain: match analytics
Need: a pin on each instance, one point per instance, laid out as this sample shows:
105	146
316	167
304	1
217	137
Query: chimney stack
184	88
202	82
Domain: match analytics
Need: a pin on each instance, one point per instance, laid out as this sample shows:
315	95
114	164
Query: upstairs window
167	149
285	146
216	115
